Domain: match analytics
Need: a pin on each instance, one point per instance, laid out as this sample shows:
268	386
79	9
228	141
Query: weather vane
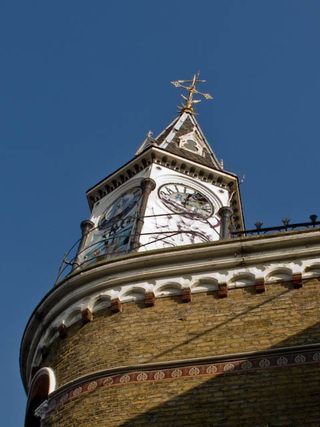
191	89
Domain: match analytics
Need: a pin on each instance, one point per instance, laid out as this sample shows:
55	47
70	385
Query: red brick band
284	359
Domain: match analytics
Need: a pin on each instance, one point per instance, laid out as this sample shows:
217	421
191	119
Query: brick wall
207	326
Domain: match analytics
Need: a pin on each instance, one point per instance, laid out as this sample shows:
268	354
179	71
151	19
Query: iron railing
280	228
73	258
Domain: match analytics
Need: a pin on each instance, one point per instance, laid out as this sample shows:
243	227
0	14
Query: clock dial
115	227
183	199
121	209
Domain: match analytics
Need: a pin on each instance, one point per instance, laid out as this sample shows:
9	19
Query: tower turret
173	192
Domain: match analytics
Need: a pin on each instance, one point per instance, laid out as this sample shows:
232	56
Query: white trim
52	378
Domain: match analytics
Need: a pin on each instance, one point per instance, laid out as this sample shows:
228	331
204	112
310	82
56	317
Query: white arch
312	270
205	284
134	293
169	288
278	274
100	302
51	375
241	280
72	316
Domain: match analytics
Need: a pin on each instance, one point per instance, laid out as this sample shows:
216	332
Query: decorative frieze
161	158
180	370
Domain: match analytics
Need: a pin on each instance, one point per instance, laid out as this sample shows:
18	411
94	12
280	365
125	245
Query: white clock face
182	199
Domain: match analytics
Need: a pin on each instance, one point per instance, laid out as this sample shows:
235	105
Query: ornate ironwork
191	89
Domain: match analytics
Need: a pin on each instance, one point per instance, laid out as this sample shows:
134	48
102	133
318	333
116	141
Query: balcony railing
280	228
75	258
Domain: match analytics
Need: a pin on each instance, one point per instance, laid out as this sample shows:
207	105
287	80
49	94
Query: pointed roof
185	138
146	143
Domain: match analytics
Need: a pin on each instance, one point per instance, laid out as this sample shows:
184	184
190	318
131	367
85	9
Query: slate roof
184	124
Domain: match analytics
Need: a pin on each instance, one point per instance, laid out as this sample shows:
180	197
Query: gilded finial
191	89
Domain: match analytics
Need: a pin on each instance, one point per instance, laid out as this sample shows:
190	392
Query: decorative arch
171	288
313	270
134	293
242	279
100	303
205	284
43	383
279	274
73	316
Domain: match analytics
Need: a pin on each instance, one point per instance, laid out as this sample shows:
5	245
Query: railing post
225	214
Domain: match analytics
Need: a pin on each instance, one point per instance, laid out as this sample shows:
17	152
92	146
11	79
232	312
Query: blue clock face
115	227
121	209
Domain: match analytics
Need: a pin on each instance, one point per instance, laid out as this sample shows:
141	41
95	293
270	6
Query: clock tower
170	312
174	192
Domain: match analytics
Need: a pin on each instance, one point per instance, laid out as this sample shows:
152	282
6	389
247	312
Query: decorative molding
179	370
42	410
223	281
175	286
163	158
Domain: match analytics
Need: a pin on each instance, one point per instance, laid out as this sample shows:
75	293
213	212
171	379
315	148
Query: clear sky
82	82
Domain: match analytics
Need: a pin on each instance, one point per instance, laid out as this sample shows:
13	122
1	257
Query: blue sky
83	82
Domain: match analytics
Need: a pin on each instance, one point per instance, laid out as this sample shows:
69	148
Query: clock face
180	198
121	209
115	227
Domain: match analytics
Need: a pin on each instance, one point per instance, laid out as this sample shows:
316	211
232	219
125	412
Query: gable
185	138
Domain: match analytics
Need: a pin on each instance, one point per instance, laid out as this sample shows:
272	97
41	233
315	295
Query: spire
191	89
184	136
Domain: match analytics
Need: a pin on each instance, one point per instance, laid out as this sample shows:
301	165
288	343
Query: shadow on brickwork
298	339
279	396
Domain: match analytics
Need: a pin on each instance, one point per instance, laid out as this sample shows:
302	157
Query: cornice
161	157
